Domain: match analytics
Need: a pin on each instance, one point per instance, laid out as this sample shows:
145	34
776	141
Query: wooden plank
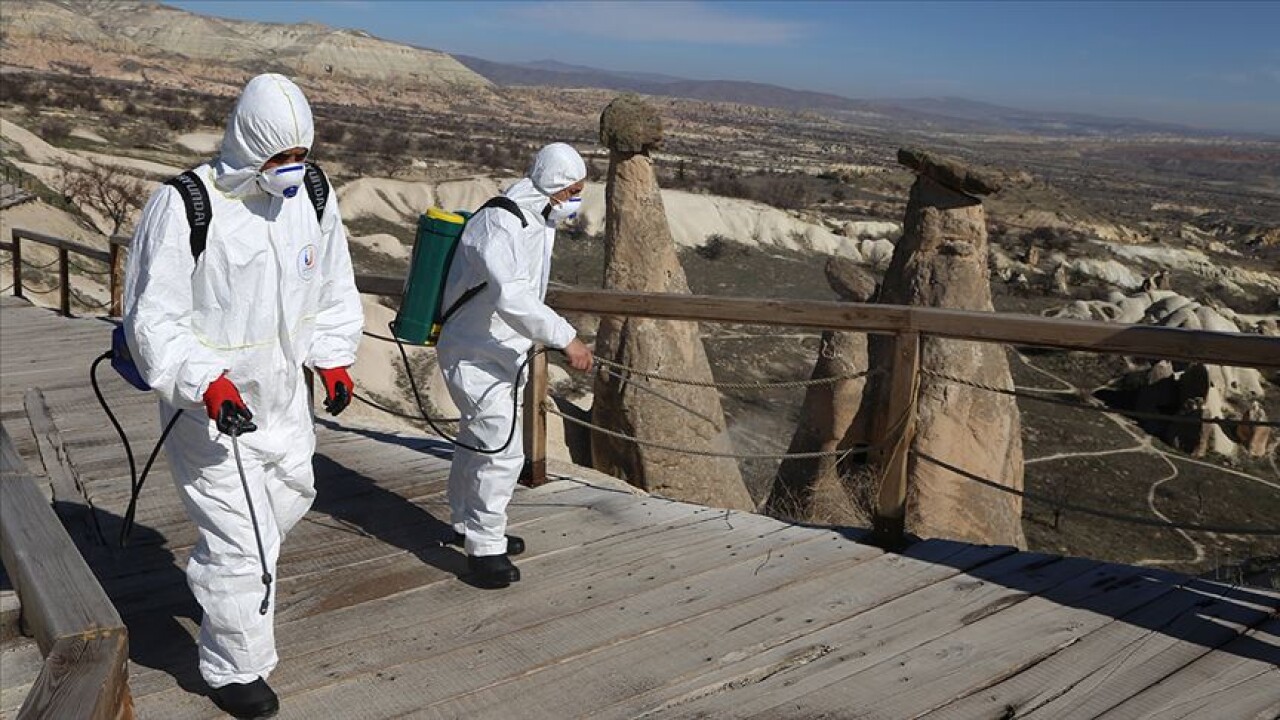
60	243
1237	681
1128	654
68	495
20	664
983	652
1141	340
83	677
506	650
328	637
867	639
659	669
60	596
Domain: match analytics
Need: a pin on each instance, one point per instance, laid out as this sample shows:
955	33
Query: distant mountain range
946	113
67	35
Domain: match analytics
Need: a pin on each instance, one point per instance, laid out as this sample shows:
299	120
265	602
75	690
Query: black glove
235	420
225	407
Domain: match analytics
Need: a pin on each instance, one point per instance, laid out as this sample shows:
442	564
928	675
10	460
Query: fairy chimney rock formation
812	489
941	261
640	255
949	173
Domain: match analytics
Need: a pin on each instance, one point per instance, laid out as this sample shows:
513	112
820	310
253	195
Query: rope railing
28	264
1099	408
86	271
736	385
90	303
706	453
645	387
611	368
1084	510
27	287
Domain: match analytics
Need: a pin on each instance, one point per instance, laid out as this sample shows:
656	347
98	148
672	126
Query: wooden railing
84	642
112	258
908	325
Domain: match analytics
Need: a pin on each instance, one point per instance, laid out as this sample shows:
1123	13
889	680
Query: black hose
137	487
515	400
135	480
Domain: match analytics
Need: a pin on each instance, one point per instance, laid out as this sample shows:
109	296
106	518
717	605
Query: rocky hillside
160	44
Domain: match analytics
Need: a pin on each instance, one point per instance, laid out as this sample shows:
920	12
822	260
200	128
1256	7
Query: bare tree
106	189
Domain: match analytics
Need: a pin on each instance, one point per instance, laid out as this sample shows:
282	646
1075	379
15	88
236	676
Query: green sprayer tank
418	321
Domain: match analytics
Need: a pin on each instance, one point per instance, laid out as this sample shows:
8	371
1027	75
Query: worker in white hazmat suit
508	256
223	334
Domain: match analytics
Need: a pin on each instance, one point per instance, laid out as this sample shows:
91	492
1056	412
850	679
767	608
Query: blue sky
1212	64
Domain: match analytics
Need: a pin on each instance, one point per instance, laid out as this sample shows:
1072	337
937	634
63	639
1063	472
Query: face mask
282	181
566	210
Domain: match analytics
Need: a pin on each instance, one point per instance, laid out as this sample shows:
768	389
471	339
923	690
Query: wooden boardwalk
631	606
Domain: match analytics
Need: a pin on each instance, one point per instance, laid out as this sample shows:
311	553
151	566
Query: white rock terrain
694	218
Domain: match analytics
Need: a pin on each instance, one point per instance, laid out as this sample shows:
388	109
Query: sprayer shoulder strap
195	198
506	203
317	188
510	206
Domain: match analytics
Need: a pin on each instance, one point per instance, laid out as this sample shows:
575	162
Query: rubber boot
247	701
492	571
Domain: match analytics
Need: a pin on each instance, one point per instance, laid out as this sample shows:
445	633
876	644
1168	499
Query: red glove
338	388
225	407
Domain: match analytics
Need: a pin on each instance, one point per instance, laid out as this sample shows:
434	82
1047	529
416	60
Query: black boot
492	571
515	543
247	700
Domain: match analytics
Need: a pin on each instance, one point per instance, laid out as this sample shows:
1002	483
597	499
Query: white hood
556	167
271	116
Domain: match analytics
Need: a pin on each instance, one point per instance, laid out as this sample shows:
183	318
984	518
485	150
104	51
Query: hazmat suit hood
554	168
271	116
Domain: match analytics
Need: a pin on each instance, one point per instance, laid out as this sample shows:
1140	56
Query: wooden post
17	264
64	282
894	436
535	423
116	262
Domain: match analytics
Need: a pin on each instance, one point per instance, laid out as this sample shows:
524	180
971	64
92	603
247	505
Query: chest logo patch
307	263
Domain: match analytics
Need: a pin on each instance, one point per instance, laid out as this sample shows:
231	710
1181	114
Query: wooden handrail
1204	346
79	632
114	257
61	243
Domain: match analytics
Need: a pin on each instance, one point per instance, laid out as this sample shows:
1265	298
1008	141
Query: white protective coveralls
272	291
484	342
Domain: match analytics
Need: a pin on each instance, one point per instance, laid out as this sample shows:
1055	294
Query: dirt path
1142	443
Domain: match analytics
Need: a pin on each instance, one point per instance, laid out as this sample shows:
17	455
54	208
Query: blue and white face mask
566	210
282	181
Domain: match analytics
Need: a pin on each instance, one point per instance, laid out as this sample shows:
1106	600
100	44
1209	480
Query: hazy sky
1211	64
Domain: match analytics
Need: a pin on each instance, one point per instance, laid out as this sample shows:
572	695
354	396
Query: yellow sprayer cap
436	213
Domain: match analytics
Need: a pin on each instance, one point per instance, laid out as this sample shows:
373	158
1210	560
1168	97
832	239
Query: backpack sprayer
422	314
